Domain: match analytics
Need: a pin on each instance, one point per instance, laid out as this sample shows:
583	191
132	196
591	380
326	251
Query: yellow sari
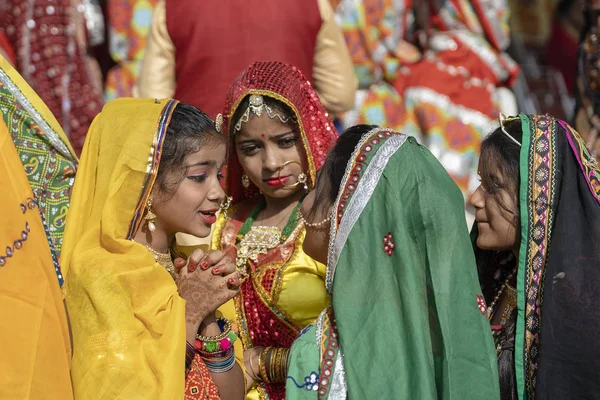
35	351
127	319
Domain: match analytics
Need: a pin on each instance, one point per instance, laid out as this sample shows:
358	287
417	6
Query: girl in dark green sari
407	319
538	253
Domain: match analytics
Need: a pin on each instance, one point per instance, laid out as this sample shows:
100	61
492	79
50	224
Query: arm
157	76
333	73
230	383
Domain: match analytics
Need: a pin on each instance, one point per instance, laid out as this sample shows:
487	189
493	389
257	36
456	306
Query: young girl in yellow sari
140	328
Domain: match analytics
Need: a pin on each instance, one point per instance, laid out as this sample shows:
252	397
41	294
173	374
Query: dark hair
189	130
329	177
500	153
274	104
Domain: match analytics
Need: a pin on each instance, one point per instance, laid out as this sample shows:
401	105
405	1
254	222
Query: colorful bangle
221	365
225	326
215	344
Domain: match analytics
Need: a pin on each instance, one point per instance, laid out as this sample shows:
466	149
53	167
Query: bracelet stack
273	364
217	352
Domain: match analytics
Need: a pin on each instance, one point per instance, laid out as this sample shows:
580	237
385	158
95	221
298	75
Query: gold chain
163	259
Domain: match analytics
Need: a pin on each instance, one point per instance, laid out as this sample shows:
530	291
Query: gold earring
302	179
245	181
226	203
150	216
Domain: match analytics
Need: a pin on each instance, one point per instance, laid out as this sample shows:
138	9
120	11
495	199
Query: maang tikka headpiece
502	119
257	105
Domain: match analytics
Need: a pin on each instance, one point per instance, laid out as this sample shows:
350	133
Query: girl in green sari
407	319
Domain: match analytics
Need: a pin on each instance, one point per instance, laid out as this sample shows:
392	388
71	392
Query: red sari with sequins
261	318
49	40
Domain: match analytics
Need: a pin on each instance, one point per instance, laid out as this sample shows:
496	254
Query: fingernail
215	270
204	265
192	265
231	280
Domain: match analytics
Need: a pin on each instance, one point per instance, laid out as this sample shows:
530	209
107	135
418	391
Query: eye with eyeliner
287	142
197	178
248	149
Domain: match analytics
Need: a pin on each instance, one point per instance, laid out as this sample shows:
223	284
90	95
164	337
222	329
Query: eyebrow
202	163
276	137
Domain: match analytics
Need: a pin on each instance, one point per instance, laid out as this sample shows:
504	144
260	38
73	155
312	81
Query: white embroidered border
334	226
363	192
466	115
52	136
338	389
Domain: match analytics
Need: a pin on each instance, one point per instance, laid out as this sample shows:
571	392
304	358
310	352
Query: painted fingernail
204	265
192	265
231	281
216	270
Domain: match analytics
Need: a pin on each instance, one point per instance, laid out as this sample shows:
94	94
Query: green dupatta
407	308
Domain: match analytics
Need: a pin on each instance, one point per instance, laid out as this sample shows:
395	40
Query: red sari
261	320
49	40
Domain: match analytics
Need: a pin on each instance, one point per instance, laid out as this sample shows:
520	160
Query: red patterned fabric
261	321
49	40
216	44
199	384
287	84
6	49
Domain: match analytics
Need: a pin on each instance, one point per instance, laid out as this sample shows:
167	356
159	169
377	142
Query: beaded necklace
491	309
257	240
163	259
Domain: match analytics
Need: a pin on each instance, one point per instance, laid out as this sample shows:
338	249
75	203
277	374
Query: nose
216	192
271	161
477	199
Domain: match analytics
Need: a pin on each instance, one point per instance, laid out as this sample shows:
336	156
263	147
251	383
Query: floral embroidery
28	204
311	382
388	244
481	304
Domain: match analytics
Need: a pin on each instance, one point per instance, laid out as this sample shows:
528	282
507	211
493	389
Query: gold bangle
271	365
284	364
263	364
253	373
278	359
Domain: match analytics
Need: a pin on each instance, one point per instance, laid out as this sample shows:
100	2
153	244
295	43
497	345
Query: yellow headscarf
35	350
127	319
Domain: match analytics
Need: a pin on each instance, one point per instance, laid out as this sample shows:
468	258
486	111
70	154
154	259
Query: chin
278	192
489	245
200	232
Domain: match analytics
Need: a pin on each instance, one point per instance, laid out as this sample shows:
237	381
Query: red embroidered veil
287	84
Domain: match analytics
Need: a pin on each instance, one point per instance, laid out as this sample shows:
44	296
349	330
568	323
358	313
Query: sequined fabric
287	84
49	40
262	321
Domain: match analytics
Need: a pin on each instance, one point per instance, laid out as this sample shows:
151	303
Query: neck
159	240
275	206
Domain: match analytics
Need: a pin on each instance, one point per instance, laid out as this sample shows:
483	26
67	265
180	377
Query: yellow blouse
301	294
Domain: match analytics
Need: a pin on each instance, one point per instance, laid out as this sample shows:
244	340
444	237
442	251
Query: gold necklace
163	259
491	309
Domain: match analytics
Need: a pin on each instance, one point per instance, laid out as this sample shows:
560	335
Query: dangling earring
245	181
150	216
303	179
226	203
